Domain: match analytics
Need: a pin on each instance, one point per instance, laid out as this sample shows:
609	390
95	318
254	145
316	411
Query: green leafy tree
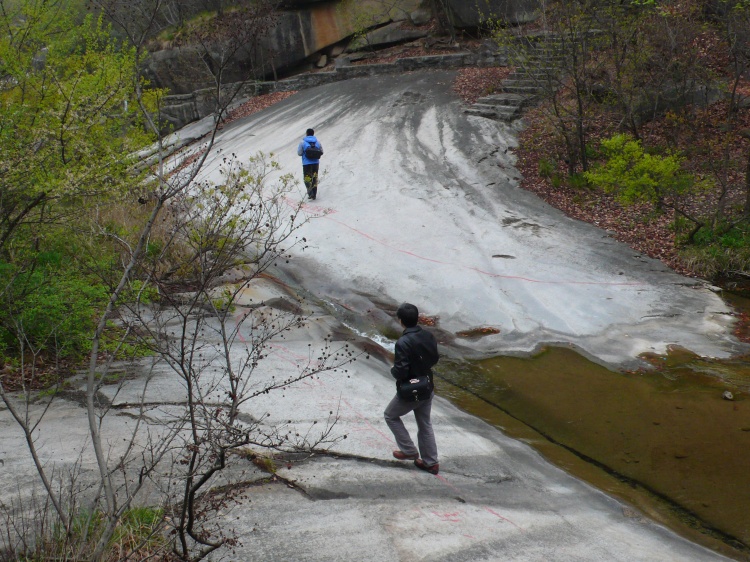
65	88
69	128
637	176
71	93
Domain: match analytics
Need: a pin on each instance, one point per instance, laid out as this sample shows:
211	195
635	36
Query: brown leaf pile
473	83
637	225
256	104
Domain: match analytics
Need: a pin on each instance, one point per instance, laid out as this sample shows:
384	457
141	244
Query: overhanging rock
298	34
178	111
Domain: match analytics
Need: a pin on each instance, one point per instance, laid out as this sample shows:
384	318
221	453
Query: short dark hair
408	314
310	132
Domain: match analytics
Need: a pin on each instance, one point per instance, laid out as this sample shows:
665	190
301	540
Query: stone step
530	68
479	112
553	50
522	81
528	90
497	113
542	59
523	87
492	108
538	74
508	114
544	51
541	79
505	99
542	63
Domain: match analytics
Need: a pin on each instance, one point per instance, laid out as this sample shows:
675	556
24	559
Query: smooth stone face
416	200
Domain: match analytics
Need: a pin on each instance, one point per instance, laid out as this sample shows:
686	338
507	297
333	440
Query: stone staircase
535	74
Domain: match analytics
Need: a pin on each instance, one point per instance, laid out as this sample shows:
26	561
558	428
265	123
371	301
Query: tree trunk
745	133
441	11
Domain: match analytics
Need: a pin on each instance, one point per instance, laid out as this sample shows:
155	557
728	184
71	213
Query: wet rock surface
410	207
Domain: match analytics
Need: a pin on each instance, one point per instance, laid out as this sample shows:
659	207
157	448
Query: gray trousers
425	435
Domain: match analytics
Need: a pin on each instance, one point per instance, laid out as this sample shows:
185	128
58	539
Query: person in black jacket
416	353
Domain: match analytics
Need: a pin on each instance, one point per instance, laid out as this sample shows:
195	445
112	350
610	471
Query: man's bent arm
400	369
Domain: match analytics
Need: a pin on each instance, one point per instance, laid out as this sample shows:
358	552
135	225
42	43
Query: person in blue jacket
310	164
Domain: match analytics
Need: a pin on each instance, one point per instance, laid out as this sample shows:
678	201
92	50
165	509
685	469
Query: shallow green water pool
666	440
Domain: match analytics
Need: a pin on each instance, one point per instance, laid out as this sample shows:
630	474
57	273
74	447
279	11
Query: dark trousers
310	173
425	435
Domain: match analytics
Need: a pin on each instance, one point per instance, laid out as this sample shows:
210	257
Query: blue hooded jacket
303	145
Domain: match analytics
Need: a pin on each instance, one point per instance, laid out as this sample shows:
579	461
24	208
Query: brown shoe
432	469
400	455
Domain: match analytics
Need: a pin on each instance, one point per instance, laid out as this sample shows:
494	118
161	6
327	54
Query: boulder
342	62
672	97
420	17
337	50
298	34
391	34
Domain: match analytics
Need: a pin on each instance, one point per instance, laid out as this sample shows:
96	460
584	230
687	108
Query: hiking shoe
432	469
400	455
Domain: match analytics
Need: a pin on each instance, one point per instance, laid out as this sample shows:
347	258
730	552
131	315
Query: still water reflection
666	441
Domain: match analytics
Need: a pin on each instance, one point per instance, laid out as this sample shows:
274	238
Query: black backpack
312	152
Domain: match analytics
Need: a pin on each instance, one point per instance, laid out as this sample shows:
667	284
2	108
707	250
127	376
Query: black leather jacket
416	353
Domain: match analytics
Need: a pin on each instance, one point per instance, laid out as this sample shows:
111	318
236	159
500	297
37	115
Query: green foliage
547	167
50	300
231	220
578	181
734	236
139	525
69	123
266	463
223	300
718	251
68	119
736	5
49	307
139	530
635	176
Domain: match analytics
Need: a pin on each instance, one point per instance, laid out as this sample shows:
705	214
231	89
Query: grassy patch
138	536
719	251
